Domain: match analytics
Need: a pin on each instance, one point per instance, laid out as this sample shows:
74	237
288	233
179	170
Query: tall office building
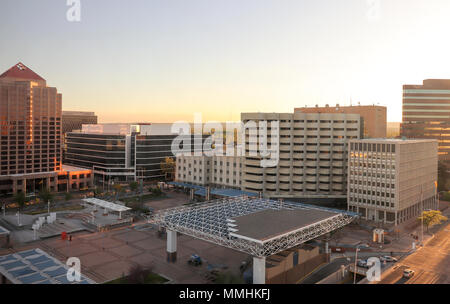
312	155
30	130
426	113
73	120
30	122
374	117
391	180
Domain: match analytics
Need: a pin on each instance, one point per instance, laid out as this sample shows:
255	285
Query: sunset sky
163	60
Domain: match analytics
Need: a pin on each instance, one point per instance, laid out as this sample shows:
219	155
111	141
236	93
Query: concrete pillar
192	194
24	186
49	187
14	186
259	270
171	246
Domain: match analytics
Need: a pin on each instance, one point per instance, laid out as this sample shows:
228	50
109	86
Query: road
430	263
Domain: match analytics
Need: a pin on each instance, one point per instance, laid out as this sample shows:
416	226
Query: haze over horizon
164	60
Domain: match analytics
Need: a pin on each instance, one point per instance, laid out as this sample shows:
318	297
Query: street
430	263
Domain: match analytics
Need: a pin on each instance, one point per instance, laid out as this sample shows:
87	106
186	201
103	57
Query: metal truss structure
209	221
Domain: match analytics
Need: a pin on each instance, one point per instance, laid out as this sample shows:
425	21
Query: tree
20	198
117	188
45	195
432	218
168	168
443	176
133	186
67	196
139	274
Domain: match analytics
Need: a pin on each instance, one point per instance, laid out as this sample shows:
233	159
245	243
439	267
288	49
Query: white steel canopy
259	227
105	204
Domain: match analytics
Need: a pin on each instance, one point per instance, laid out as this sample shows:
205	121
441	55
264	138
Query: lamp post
4	210
356	259
48	207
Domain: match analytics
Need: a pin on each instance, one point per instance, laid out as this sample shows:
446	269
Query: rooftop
259	227
268	224
21	71
393	140
36	267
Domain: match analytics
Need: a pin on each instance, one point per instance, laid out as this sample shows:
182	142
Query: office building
30	130
122	152
73	120
393	130
374	117
312	155
426	113
391	180
213	171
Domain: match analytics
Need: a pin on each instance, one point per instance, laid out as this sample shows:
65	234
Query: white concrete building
312	155
214	171
388	179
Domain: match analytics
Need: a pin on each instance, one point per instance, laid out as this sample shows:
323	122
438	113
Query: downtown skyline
159	62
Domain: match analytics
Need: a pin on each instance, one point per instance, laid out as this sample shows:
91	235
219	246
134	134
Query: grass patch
151	278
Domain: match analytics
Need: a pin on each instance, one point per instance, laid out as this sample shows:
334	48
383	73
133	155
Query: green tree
443	176
168	168
20	199
67	196
432	218
45	195
133	186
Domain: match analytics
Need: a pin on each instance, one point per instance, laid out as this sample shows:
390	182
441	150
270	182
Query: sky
164	60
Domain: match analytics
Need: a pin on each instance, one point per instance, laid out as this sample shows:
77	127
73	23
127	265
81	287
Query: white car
408	273
388	258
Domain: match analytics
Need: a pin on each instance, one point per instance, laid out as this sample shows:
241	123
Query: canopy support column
171	246
259	270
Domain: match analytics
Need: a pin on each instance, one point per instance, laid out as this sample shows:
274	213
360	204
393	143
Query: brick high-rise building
373	117
30	133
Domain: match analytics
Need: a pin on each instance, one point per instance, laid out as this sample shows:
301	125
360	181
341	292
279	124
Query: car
362	263
408	273
388	258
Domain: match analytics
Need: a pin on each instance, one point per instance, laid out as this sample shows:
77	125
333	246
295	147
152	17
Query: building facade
213	171
30	130
374	117
426	113
312	155
122	152
74	120
393	130
391	180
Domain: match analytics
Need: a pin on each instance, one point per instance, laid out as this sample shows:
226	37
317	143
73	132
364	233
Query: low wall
299	271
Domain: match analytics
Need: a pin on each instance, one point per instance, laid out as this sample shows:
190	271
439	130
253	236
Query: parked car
362	263
408	273
388	258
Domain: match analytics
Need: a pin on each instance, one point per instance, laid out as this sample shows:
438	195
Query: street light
356	259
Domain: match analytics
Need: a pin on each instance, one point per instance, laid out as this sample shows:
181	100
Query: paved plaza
109	255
